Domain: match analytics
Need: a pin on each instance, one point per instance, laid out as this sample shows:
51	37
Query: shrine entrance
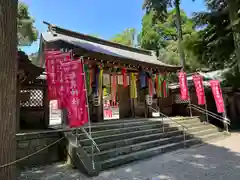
115	106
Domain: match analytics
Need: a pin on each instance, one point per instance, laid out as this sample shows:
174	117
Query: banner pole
206	107
224	113
89	123
190	104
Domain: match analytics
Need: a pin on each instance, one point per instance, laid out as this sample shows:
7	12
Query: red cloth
182	76
61	58
54	75
76	101
124	75
217	93
198	82
150	86
50	64
114	89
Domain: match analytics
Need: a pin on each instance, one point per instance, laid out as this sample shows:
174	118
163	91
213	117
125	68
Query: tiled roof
104	47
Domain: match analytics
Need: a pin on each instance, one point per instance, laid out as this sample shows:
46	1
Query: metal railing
224	120
179	124
90	138
93	143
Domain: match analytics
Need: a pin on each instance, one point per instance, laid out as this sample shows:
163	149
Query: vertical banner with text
182	76
217	93
198	83
50	64
75	93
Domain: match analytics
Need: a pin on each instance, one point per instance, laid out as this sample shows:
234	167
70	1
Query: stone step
124	159
189	121
210	137
137	127
124	123
151	125
106	126
143	154
134	140
120	121
125	149
117	121
115	137
104	155
131	134
143	138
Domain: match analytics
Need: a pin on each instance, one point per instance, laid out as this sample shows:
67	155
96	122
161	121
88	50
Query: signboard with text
55	114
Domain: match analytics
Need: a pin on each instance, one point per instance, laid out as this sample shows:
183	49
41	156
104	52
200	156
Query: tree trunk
8	86
179	31
233	8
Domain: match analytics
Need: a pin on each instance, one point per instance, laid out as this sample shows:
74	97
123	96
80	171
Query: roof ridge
59	30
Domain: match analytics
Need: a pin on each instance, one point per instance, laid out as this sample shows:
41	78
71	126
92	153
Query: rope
23	158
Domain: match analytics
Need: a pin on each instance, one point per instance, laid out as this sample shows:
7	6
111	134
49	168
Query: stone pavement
215	161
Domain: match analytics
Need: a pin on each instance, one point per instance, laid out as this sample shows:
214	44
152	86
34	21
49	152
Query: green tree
162	37
160	9
27	33
127	37
214	43
233	7
149	38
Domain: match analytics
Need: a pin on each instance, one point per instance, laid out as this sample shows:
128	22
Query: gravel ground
215	161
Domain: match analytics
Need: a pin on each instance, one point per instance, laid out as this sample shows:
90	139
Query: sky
104	18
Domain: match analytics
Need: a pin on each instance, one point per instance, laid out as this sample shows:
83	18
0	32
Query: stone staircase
124	141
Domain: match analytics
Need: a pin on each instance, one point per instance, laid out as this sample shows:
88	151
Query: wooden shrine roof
27	71
104	47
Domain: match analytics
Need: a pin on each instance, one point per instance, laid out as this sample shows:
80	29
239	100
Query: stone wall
28	143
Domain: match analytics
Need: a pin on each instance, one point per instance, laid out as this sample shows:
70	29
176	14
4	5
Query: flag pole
89	122
206	109
190	104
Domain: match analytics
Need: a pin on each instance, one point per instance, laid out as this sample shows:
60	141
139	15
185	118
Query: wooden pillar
132	103
97	109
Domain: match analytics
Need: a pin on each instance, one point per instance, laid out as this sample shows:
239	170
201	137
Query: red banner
150	86
198	82
75	93
114	88
217	93
182	76
54	74
59	59
50	64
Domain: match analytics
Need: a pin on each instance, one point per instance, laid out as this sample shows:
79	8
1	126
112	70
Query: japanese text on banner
198	83
183	85
75	93
217	93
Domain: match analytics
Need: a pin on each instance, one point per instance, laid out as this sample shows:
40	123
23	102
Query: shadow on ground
206	162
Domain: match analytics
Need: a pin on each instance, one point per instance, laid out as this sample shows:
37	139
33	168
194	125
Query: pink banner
59	59
54	74
75	93
217	93
198	82
150	86
182	76
114	88
50	64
